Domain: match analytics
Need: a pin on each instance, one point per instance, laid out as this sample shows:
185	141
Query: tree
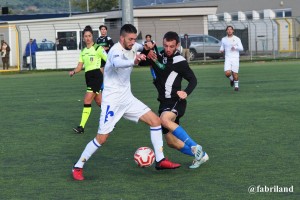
96	5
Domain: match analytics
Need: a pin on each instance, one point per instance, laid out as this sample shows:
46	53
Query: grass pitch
251	137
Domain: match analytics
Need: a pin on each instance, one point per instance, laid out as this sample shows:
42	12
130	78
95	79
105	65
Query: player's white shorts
112	113
232	64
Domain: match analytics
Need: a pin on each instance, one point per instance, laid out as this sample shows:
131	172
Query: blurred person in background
5	50
186	43
149	41
104	40
30	51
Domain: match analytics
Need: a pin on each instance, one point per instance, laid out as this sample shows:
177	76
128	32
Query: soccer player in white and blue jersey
118	101
232	46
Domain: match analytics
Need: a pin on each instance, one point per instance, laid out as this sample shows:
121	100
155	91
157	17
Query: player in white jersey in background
118	101
232	46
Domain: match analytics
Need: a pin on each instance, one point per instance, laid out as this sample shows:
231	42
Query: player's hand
148	45
71	73
139	58
182	94
152	55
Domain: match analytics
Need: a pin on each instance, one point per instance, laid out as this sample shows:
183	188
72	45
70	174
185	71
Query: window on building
249	16
114	23
283	13
279	14
68	39
234	17
288	13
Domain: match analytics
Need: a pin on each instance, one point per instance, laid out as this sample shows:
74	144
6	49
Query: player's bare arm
77	69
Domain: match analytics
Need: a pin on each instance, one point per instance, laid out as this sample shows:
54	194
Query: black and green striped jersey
105	41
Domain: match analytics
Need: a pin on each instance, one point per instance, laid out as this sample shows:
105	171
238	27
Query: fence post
55	45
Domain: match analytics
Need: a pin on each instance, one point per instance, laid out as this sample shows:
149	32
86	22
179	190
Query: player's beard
128	47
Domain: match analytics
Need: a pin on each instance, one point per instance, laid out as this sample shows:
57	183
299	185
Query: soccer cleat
196	163
166	164
77	173
79	129
231	83
197	150
236	89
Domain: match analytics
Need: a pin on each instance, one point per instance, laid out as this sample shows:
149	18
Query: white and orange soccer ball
144	157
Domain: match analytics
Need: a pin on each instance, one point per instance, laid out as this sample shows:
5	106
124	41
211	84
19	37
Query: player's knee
227	73
88	100
165	122
101	138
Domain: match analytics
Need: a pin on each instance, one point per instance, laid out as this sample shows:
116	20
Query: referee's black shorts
94	80
178	107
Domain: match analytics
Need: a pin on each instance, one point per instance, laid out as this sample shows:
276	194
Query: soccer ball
144	157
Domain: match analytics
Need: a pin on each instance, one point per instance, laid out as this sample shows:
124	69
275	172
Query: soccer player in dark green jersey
90	59
104	40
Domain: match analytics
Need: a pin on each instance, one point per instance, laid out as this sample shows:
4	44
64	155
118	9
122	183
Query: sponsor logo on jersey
165	59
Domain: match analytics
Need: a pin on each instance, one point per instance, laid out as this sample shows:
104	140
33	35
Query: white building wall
47	29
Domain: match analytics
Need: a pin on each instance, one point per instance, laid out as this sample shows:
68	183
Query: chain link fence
59	43
265	38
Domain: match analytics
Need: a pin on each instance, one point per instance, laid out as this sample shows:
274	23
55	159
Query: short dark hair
148	35
102	27
127	28
169	36
229	27
87	28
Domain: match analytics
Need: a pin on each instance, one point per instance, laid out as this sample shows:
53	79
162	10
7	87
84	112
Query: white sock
89	150
157	142
231	77
236	83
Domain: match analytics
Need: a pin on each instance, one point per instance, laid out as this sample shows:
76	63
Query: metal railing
277	38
